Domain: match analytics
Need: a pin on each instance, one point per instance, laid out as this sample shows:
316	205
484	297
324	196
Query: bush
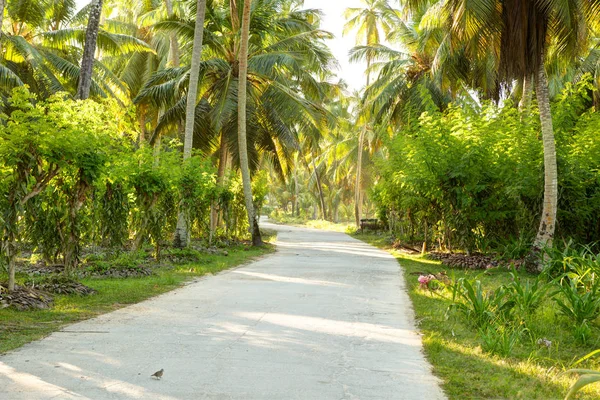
480	308
528	295
499	339
571	260
471	177
578	302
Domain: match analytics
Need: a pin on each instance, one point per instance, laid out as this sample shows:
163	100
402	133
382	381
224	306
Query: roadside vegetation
140	139
117	280
311	223
501	333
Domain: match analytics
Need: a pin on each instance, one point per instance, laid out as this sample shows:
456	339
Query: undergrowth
505	334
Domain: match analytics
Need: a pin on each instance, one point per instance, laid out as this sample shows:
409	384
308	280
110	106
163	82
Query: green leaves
587	376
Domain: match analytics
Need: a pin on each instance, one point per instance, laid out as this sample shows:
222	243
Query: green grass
20	327
453	346
311	223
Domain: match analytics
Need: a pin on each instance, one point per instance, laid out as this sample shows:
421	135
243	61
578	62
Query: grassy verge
20	327
312	223
454	347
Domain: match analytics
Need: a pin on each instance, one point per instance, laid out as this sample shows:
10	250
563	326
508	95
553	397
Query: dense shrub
471	177
72	176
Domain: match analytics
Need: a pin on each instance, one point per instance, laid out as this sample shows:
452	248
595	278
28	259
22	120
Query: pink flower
424	280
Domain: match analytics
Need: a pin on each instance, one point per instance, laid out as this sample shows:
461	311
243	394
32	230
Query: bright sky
333	22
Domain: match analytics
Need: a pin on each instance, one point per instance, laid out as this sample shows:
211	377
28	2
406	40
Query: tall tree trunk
548	222
2	4
357	189
182	233
318	180
235	19
142	122
214	217
527	95
235	23
296	205
87	61
174	45
361	139
242	142
320	189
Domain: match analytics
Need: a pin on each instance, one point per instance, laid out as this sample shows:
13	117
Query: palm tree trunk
174	46
87	61
357	189
182	234
235	22
525	103
296	205
548	222
361	139
142	122
242	142
1	15
214	217
320	188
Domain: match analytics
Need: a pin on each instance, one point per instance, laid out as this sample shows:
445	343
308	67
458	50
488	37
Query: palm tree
520	32
368	22
242	143
45	53
174	48
182	235
423	63
283	94
87	61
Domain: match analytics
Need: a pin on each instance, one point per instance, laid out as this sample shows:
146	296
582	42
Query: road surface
325	317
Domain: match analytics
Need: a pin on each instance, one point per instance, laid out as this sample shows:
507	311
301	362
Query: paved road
326	317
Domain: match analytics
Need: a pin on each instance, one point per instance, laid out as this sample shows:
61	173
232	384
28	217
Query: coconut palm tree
369	22
283	93
87	61
242	142
286	55
43	46
520	31
182	234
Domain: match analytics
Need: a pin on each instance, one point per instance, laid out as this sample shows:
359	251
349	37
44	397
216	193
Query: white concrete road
326	317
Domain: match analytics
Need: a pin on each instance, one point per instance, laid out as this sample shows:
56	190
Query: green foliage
579	303
52	152
197	189
473	175
478	307
526	294
112	214
571	260
586	376
155	191
499	339
260	189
